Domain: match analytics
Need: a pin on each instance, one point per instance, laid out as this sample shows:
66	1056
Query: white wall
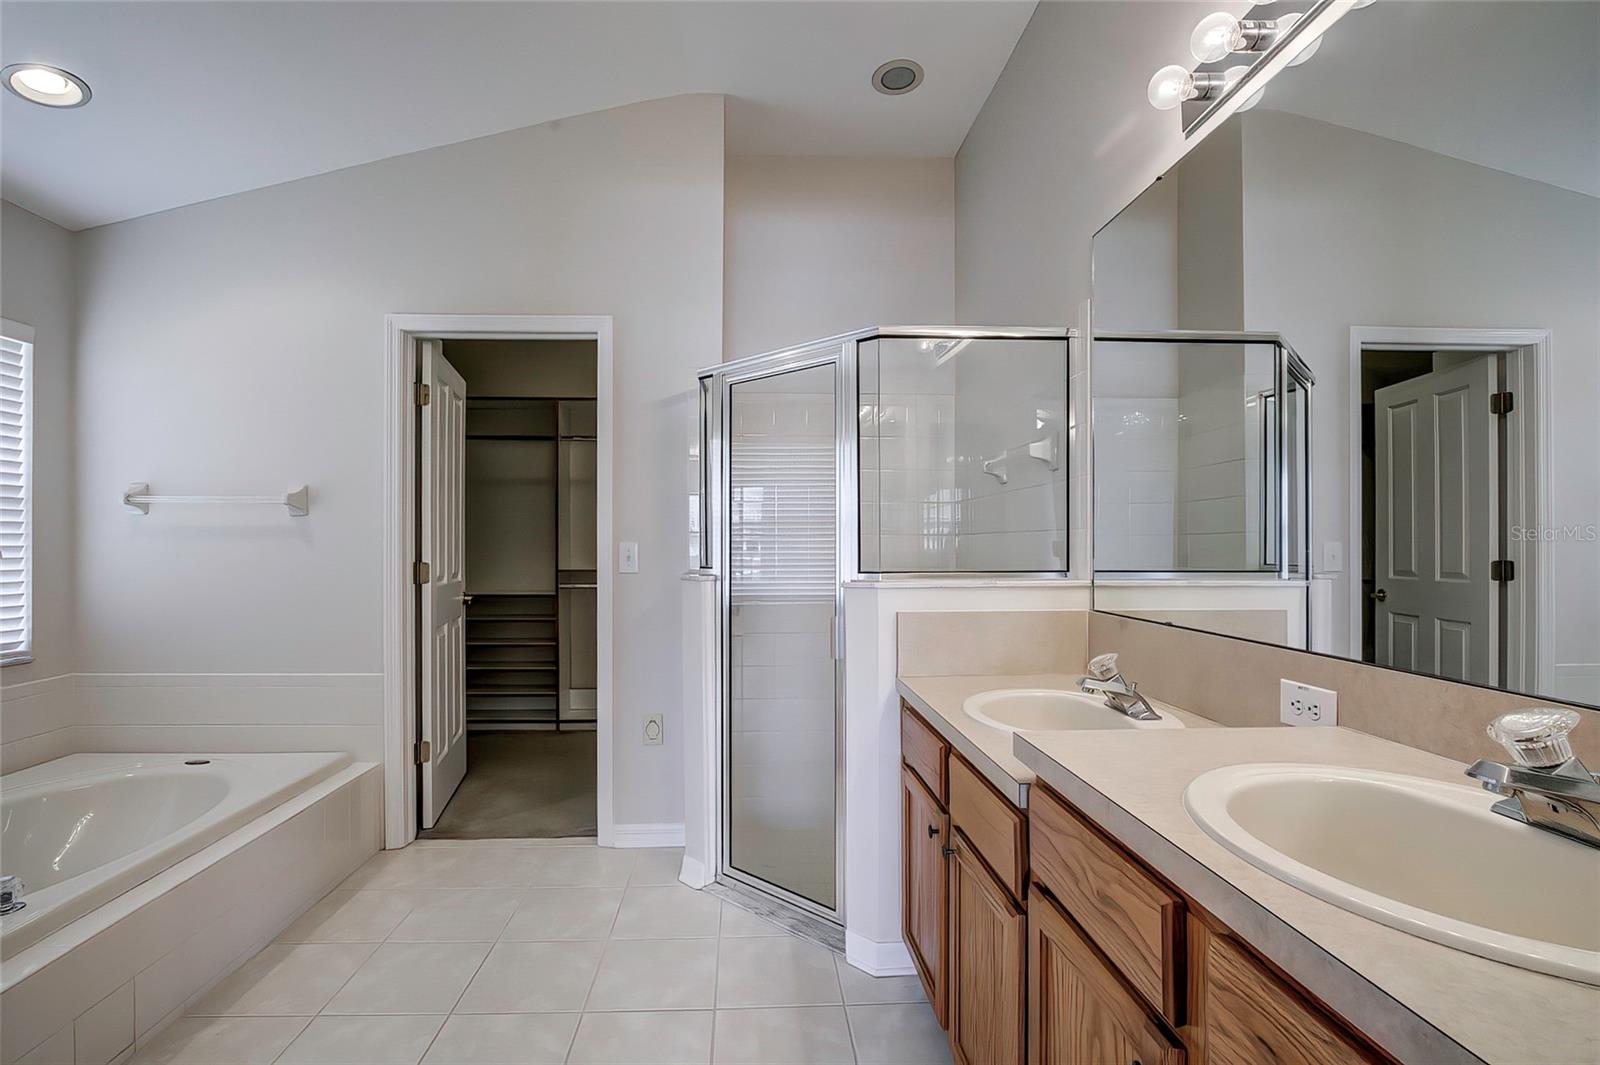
36	707
36	262
818	246
1408	237
237	346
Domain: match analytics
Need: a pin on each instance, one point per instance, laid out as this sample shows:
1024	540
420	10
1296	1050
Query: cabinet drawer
1132	918
1245	1014
924	751
995	828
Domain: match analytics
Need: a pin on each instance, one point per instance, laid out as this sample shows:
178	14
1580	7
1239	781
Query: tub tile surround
1235	683
235	713
602	958
87	992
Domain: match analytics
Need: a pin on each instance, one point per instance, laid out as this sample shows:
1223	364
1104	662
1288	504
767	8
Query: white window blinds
781	520
16	591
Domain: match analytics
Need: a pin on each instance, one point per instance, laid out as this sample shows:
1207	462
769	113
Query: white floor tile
504	1039
410	978
793	1035
221	1041
900	1034
350	917
460	916
656	974
564	913
579	866
533	978
285	980
775	972
669	911
657	866
860	988
396	1040
677	1037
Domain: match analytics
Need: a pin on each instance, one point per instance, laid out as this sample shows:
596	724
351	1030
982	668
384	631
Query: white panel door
444	651
1436	529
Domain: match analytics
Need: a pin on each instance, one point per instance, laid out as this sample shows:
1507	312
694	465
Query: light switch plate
627	557
1304	704
652	730
1333	557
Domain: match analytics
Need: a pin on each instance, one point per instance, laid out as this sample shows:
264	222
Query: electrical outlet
627	557
1303	704
1333	557
652	730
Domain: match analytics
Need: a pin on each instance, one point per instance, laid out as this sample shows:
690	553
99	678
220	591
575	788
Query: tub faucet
1122	695
11	889
1546	785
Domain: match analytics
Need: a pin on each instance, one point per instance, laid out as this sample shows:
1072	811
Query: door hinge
424	394
424	752
1502	403
1502	571
420	573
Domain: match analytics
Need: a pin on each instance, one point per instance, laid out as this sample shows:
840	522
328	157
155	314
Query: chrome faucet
1548	786
11	889
1122	695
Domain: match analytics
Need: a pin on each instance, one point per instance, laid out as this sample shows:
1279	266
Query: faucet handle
1536	737
1103	667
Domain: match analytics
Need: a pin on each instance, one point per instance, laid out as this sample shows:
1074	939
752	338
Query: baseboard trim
877	959
693	873
658	834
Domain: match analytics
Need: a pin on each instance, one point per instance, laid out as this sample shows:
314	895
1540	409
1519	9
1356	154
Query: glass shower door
782	592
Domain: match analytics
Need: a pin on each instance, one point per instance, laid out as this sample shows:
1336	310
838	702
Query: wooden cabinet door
988	972
924	898
1079	1011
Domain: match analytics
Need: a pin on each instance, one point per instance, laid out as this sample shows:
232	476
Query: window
16	559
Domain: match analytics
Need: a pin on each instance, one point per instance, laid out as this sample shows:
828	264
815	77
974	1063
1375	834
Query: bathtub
80	831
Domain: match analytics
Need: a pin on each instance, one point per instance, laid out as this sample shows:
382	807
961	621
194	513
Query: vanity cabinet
964	870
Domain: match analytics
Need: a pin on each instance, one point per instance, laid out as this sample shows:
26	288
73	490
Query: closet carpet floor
460	953
523	785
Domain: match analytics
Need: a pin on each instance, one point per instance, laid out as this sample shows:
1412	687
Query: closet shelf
511	642
511	667
512	617
495	690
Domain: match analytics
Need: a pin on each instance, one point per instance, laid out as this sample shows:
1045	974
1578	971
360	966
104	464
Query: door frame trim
399	542
1538	436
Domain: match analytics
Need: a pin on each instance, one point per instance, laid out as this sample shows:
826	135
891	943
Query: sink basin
1419	855
1051	710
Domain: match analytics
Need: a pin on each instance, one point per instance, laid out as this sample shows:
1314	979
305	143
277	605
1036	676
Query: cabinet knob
932	831
947	851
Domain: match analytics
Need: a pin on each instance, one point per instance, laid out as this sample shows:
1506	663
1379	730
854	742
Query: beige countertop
939	699
1422	1001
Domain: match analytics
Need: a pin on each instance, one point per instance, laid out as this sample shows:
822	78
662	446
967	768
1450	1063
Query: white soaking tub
81	830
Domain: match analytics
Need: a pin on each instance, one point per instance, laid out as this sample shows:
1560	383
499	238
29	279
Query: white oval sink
1051	710
1419	855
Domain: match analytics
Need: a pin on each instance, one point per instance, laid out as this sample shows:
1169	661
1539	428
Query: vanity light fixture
46	85
897	77
1220	35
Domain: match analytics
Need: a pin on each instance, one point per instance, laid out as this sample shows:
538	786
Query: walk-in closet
530	602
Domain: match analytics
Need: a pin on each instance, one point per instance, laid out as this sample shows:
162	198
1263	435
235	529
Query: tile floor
524	951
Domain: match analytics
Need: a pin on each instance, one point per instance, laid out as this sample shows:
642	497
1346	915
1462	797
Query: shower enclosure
881	454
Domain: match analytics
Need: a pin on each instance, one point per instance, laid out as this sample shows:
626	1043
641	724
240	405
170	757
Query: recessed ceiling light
43	84
897	77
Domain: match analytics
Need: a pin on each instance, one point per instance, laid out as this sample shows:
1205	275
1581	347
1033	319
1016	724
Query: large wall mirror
1345	377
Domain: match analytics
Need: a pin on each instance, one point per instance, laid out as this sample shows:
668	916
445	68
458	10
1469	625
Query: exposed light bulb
1215	37
1170	86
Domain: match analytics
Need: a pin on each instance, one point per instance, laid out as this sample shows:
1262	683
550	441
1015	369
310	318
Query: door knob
466	600
1380	595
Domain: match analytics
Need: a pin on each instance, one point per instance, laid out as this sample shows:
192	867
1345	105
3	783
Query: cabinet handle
932	831
947	852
